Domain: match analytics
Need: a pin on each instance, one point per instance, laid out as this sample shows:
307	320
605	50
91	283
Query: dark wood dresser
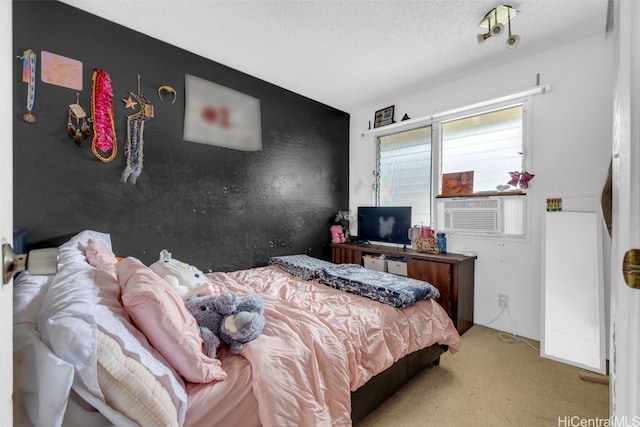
452	274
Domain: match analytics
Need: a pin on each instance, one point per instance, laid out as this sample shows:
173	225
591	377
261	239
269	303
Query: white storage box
375	263
397	267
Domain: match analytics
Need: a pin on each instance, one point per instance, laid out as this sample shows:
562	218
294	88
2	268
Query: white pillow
28	292
82	299
41	380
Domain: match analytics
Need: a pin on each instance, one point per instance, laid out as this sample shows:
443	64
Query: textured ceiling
350	54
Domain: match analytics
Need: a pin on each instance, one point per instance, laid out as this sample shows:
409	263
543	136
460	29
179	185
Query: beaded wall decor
104	143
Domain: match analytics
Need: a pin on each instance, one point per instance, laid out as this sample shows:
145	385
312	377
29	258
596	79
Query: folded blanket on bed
302	266
398	291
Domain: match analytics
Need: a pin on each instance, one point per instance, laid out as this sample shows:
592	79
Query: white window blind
404	172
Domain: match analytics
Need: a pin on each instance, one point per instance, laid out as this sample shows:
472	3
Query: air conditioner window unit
502	216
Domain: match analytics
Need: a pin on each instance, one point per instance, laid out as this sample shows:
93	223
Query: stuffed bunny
186	279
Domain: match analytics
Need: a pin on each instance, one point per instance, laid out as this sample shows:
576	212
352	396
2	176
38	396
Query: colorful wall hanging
217	115
29	59
134	147
554	204
104	144
60	71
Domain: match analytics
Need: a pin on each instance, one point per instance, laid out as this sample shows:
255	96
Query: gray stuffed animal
228	318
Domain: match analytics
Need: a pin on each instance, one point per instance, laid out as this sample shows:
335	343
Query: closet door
573	307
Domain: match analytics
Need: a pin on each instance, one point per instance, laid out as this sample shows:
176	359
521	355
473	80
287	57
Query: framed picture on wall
384	117
221	116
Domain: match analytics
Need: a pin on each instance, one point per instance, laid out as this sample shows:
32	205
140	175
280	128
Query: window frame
437	138
436	145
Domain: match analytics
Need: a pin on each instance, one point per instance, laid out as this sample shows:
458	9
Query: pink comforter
318	344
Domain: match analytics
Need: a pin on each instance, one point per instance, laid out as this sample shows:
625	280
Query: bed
83	352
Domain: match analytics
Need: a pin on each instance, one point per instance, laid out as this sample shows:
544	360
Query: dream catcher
134	146
81	130
104	143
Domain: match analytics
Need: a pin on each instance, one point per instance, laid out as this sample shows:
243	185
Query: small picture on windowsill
384	117
457	183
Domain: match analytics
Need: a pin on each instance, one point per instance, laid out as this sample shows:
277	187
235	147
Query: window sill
485	194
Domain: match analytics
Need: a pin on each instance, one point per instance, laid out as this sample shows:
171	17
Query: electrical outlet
503	300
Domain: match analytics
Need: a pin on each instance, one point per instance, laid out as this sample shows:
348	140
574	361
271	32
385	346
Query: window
404	172
490	142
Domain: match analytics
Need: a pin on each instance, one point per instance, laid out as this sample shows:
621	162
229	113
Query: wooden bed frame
379	388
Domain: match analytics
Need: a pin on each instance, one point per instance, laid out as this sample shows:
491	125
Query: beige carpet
493	383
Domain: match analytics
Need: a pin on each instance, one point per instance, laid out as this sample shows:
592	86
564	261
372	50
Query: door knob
37	261
631	268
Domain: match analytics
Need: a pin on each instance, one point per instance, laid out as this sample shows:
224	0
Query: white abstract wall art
220	116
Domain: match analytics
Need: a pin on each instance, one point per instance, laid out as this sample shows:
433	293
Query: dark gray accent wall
216	208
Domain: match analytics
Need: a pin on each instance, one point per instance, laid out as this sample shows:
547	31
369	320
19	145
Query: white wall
570	153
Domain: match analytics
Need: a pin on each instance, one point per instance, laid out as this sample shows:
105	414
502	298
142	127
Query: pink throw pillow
101	257
159	312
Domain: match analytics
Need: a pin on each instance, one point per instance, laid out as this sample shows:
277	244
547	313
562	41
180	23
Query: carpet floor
492	382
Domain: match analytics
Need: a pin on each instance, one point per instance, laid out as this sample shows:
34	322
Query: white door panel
625	301
6	209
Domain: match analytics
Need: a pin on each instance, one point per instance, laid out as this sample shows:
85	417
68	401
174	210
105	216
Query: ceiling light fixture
514	39
497	28
493	22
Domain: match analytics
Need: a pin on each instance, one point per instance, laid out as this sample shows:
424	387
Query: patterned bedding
387	288
302	266
398	291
